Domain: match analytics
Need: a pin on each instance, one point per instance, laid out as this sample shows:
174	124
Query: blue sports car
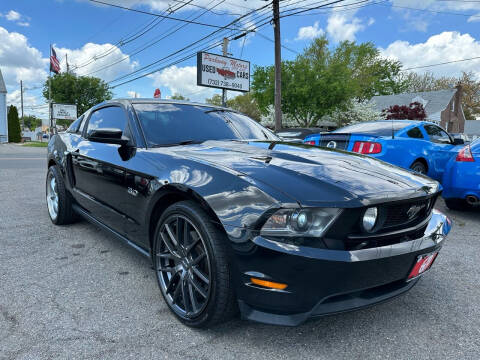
461	181
421	146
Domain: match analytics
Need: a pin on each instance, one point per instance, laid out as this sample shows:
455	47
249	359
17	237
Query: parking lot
76	292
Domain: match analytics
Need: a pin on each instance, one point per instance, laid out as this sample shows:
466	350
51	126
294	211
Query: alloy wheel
183	266
52	195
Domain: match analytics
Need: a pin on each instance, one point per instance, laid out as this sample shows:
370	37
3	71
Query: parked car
296	134
417	145
466	139
461	180
233	218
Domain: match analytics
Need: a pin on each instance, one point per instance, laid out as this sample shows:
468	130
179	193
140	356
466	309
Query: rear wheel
419	167
59	203
190	259
458	204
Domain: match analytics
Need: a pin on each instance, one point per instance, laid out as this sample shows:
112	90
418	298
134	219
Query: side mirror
458	141
108	136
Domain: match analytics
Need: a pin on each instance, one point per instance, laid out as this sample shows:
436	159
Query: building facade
3	111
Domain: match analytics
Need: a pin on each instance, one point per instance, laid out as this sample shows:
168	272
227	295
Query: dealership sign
223	72
64	111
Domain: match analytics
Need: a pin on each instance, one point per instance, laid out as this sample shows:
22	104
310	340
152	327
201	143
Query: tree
14	133
322	80
83	91
31	122
414	111
427	82
470	95
178	96
355	112
215	100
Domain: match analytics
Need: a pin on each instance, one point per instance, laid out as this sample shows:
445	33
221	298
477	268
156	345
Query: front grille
334	141
394	225
406	213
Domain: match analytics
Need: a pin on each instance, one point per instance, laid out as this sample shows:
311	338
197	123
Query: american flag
54	63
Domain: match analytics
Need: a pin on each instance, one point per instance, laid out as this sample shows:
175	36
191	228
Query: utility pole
278	65
21	100
225	53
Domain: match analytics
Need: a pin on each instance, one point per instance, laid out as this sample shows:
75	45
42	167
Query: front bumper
324	281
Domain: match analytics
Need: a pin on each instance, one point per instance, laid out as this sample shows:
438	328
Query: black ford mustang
234	219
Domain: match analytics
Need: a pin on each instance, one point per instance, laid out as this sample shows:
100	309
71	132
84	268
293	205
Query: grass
36	144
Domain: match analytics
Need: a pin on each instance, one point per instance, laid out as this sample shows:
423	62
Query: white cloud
12	15
25	23
182	80
443	47
474	18
340	27
309	32
19	60
133	94
81	60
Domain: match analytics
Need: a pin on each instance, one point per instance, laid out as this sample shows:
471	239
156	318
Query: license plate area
423	264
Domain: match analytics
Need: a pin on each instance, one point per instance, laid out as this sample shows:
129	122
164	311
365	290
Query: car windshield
379	128
165	124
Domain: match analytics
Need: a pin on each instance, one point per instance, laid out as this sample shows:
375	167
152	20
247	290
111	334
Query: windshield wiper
217	110
184	142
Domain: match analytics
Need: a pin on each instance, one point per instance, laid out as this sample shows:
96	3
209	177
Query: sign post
223	72
64	112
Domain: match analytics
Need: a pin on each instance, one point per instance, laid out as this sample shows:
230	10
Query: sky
118	45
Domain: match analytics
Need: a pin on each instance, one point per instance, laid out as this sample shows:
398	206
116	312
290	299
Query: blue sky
417	33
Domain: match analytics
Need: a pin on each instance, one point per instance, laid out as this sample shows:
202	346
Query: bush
14	133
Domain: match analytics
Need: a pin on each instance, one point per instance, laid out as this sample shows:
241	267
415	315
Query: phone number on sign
226	84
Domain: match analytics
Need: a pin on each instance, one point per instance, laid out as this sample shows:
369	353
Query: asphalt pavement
75	292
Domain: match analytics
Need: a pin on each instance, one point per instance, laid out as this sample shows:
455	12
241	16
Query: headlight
311	222
370	219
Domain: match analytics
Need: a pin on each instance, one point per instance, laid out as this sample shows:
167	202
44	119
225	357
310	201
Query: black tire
419	167
64	213
220	304
458	204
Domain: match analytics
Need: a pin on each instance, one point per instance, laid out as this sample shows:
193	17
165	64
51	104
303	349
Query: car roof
407	122
126	101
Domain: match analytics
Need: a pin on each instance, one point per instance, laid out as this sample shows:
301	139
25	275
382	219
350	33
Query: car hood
311	175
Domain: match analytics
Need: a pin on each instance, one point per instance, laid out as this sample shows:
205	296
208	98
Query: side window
74	127
437	134
415	133
109	117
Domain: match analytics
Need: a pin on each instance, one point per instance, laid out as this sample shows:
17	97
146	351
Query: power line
271	40
442	63
162	16
190	45
427	10
151	43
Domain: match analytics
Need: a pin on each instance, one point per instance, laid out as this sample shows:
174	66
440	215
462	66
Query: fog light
370	218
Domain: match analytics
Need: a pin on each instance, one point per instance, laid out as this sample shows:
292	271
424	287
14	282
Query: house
3	111
443	107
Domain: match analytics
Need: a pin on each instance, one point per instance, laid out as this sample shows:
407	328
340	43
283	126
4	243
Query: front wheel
59	204
190	259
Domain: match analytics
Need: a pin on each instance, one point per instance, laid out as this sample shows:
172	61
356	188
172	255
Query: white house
3	111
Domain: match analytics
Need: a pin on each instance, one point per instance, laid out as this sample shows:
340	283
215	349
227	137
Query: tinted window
75	126
173	123
109	117
380	128
415	133
437	134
